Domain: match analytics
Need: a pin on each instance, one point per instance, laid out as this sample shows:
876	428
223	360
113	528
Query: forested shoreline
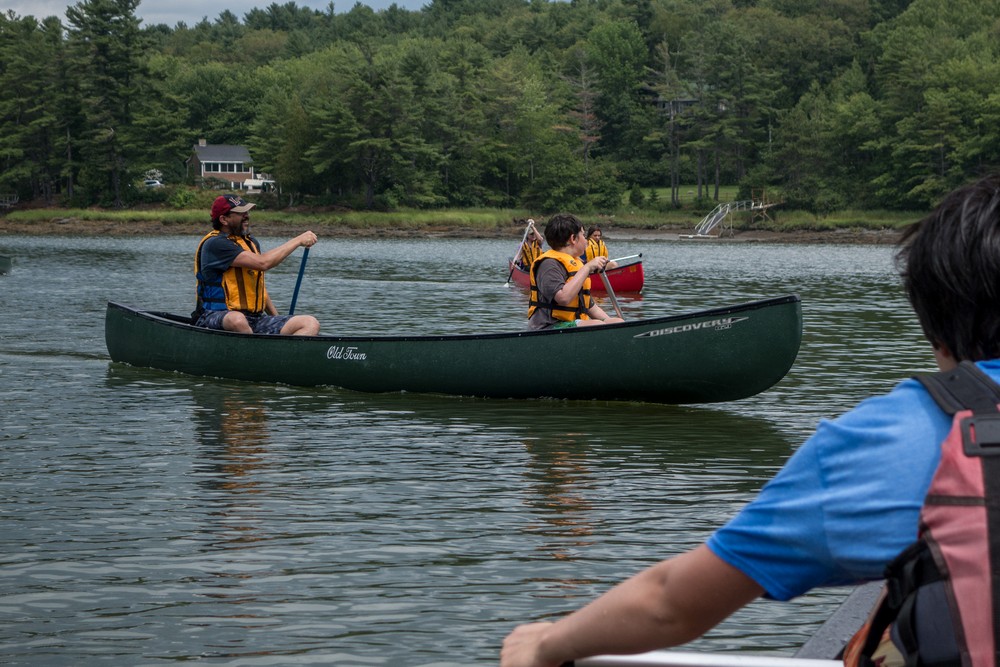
528	104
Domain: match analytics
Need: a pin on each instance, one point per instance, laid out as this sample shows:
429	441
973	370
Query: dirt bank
75	227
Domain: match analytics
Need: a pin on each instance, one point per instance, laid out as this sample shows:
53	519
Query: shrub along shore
779	226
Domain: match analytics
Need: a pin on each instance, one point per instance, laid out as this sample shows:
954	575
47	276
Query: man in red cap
230	266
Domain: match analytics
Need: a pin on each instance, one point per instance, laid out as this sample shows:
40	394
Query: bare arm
274	256
598	313
668	604
575	284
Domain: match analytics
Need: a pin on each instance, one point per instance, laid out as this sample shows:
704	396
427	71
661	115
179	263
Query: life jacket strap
963	388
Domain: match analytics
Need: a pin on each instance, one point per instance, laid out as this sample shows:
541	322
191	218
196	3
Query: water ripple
153	518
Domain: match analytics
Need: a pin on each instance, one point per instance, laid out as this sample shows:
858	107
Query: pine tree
106	47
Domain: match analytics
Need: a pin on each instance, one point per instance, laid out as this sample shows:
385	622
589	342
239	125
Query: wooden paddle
298	281
531	224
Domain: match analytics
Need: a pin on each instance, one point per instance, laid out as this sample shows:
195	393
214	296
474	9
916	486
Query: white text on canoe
345	353
722	323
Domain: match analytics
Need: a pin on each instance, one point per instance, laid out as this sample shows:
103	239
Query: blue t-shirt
218	253
848	501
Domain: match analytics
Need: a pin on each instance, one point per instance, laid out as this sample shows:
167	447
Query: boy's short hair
950	265
560	227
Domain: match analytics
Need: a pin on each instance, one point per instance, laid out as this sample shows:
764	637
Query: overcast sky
192	11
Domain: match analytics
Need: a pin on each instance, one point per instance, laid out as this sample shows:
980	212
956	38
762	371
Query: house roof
222	153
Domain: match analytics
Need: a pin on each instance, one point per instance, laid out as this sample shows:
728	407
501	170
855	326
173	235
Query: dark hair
950	265
559	228
595	228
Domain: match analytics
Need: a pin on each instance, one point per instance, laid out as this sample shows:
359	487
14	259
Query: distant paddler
229	266
531	249
596	247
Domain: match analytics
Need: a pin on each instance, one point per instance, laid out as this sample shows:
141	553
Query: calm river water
151	518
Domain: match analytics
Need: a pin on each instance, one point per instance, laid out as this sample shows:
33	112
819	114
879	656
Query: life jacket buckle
981	435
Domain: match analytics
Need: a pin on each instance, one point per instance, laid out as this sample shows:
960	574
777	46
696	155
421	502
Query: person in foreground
230	266
847	502
560	282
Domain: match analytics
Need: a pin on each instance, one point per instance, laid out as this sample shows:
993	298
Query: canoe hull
624	279
722	354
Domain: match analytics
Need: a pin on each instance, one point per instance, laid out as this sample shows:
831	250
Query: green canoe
721	354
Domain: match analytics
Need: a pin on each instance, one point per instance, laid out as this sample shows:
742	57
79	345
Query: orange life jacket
595	248
575	309
530	251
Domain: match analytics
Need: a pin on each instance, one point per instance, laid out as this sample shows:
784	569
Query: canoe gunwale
182	322
823	649
617	274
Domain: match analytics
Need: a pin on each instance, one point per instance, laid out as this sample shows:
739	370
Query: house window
227	168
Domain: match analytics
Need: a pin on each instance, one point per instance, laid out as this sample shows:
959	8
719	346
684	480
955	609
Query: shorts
564	325
259	324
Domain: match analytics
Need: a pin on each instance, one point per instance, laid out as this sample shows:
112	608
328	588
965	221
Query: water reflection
583	466
232	426
560	475
233	434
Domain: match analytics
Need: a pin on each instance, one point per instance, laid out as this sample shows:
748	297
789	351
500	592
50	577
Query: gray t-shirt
550	279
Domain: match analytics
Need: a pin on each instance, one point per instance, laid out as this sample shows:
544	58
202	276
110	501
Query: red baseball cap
224	204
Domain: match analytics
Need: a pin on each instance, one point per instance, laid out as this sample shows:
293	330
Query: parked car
152	183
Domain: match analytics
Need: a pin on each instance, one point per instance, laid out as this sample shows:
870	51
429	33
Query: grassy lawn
656	214
688	194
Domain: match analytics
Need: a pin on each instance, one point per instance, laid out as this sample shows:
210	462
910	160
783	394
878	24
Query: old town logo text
345	353
721	323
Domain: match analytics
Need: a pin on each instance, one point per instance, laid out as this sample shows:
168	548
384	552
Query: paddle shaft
622	259
298	281
611	293
517	255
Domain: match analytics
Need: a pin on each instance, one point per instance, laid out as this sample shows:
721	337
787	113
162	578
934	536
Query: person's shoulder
549	264
221	247
908	394
216	244
905	414
991	367
218	239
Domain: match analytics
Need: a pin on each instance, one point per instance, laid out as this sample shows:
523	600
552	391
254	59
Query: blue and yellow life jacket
237	289
575	309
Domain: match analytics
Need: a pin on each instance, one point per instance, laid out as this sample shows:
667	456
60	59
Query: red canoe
624	279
